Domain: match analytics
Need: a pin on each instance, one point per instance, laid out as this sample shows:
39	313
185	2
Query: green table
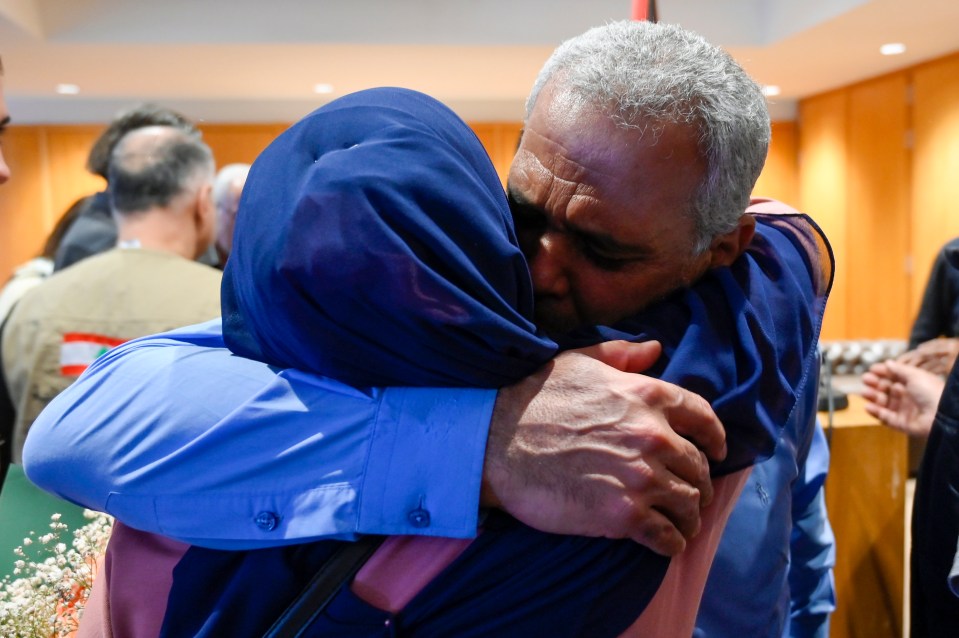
25	508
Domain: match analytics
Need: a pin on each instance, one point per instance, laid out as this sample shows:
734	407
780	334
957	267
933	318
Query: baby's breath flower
48	595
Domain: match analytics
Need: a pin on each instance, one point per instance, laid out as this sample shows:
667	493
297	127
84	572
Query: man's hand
902	396
936	355
584	448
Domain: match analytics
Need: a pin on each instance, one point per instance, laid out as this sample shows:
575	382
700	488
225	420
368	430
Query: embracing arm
246	456
251	457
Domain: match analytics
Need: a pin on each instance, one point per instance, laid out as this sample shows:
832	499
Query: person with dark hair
96	231
24	278
920	403
934	337
160	184
33	272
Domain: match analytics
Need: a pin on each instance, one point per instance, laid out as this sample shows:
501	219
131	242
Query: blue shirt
777	551
376	440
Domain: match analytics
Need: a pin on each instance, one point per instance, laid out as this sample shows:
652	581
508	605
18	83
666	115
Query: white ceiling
256	60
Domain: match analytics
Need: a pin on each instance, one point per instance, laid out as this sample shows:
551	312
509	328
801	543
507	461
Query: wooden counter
865	495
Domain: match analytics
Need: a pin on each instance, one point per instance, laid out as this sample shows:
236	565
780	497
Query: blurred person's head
4	120
227	188
63	225
98	161
160	181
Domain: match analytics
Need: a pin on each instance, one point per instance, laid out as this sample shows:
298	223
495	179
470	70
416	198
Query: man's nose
549	266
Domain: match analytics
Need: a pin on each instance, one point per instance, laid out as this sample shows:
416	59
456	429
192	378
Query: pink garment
672	611
129	596
404	565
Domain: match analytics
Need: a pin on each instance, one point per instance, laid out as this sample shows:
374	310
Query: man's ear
725	249
203	207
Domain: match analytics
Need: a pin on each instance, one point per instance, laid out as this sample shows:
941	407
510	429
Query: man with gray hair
641	146
227	188
160	191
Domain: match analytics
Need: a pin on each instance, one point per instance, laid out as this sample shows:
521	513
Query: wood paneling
822	190
500	140
24	201
232	143
66	156
780	179
935	175
49	175
877	216
865	496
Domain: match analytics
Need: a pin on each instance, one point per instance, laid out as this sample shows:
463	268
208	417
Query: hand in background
585	447
936	355
902	396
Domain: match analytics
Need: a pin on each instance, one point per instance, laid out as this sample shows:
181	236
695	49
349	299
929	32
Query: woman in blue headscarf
374	244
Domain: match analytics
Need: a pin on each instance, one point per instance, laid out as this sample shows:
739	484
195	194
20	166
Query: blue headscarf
374	244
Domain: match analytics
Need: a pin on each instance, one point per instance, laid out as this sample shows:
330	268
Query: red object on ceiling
644	10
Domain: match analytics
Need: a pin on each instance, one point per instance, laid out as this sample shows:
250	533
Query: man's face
601	213
4	120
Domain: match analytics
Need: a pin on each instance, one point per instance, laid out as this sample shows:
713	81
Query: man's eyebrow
4	121
607	241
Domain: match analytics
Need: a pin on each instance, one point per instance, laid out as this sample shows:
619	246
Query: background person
160	185
920	403
35	271
227	188
933	342
95	230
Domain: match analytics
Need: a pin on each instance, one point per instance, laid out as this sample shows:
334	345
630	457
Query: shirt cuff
425	464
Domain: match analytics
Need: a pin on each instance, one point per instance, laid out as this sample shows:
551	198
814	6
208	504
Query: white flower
47	595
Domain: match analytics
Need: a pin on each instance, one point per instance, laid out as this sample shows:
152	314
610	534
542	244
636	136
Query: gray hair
226	178
153	165
646	75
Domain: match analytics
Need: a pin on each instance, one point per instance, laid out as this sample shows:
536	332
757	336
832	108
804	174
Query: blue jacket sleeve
389	456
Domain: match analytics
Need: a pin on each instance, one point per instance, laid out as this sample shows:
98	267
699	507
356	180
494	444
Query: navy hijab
374	244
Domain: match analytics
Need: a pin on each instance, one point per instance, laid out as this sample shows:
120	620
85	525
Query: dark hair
63	225
98	161
150	172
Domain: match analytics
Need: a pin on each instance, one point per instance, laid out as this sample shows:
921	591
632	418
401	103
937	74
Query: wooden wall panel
865	496
67	150
822	190
49	174
23	199
500	140
935	174
232	143
877	191
779	178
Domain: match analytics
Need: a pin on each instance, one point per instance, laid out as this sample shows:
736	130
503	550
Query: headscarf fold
374	244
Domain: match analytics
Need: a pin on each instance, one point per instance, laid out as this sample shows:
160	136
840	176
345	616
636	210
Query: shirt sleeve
238	473
812	547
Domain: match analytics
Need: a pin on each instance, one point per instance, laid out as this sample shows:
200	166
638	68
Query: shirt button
267	521
419	517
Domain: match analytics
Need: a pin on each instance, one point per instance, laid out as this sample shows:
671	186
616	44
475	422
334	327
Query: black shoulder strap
337	570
